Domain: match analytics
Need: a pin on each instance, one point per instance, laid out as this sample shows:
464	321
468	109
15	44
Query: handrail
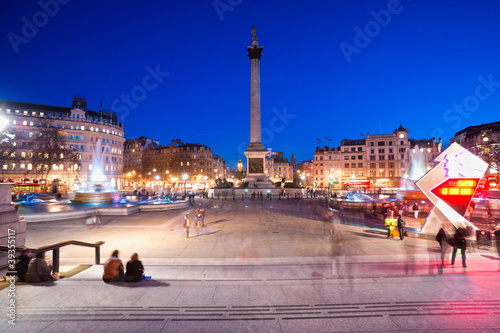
55	250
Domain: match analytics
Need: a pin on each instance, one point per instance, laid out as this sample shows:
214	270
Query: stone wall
12	227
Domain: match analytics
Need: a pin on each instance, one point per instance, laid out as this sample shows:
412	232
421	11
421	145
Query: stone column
12	227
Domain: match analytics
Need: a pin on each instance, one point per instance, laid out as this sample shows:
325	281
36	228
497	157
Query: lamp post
330	184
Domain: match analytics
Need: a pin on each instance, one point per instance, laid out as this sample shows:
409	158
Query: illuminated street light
3	122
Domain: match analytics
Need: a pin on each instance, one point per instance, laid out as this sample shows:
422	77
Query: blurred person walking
401	227
186	224
442	239
459	242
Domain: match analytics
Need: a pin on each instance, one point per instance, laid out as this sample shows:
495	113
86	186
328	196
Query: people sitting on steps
113	269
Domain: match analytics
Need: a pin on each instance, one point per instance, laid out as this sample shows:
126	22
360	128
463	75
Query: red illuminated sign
457	192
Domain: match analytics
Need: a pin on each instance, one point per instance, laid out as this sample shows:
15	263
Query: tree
50	151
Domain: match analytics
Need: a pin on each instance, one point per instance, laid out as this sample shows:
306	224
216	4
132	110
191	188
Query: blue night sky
320	77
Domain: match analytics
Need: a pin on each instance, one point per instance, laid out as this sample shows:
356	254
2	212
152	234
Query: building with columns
278	167
79	128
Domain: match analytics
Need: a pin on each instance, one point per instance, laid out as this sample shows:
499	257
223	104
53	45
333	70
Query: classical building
278	167
79	131
483	141
382	160
305	172
179	164
326	168
133	157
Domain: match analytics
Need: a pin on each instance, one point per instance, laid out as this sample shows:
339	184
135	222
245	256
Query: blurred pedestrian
405	208
459	242
186	224
497	236
401	227
442	239
202	215
415	210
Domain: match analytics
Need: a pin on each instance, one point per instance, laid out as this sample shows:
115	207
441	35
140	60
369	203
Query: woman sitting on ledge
134	269
113	269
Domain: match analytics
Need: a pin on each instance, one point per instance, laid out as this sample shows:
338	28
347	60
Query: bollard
288	196
218	194
212	195
233	197
261	196
270	197
98	255
241	196
225	196
55	260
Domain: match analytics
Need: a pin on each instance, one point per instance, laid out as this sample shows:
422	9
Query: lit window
22	165
31	123
25	112
90	167
55	167
25	123
30	166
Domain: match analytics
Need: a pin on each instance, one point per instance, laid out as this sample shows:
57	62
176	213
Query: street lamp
330	184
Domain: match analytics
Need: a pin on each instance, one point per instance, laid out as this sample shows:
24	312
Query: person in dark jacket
459	242
441	238
134	269
22	264
38	269
401	227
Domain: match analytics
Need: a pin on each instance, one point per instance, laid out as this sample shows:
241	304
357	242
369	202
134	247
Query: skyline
420	58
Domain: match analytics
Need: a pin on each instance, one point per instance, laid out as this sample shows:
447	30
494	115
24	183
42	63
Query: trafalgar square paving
257	266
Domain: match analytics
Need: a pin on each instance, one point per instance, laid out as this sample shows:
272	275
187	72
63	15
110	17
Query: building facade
178	165
278	167
80	132
305	173
483	141
132	159
377	161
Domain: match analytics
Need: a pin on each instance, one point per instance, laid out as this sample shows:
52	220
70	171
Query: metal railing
56	253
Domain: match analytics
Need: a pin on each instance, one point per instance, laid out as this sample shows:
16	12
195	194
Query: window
346	150
401	143
353	165
372	157
71	137
321	158
391	165
353	157
360	148
373	173
381	165
360	157
390	150
381	143
381	158
391	157
353	149
372	144
391	173
381	151
373	165
346	173
346	158
372	151
360	173
390	143
346	165
360	165
402	156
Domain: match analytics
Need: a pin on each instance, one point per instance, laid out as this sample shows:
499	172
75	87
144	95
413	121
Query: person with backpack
459	242
401	226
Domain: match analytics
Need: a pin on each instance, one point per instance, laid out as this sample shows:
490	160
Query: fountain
98	189
418	164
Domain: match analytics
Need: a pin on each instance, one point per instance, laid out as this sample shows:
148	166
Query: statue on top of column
254	34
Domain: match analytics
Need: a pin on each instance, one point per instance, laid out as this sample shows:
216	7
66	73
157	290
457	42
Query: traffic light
314	183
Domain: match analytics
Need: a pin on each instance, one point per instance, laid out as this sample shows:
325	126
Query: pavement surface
258	266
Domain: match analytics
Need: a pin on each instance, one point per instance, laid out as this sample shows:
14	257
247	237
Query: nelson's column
255	153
